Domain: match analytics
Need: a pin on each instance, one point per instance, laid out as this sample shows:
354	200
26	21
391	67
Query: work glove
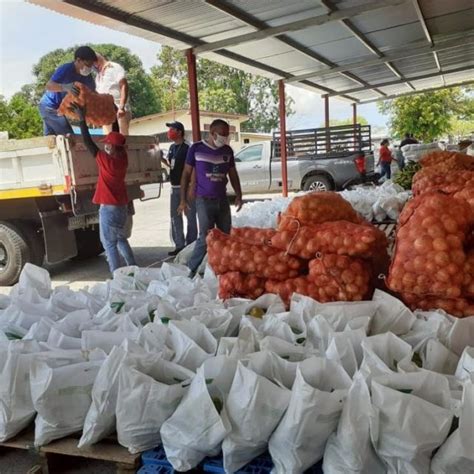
78	110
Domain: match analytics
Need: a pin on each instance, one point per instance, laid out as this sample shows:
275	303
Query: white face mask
85	70
221	141
108	149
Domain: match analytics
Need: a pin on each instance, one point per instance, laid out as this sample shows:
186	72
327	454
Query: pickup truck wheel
14	254
88	243
317	183
34	240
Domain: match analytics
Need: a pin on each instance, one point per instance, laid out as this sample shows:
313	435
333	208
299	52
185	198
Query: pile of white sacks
157	358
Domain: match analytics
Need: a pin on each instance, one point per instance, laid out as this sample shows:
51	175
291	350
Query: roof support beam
410	50
421	91
295	26
401	81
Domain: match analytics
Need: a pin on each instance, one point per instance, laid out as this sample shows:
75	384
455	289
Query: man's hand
75	91
120	113
238	203
78	110
182	208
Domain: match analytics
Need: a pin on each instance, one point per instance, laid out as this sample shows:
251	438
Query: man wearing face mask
176	160
211	161
61	82
110	193
111	79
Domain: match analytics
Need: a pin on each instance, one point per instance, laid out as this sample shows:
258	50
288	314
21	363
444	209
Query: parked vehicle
317	160
46	190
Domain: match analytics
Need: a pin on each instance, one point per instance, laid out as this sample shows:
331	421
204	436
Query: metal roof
359	50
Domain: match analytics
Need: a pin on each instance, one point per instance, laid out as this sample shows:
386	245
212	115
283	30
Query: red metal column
284	173
193	95
326	123
354	122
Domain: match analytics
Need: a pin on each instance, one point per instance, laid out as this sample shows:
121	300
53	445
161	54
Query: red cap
115	138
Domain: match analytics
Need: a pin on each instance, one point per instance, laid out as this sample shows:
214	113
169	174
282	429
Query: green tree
143	96
19	117
221	89
430	115
347	121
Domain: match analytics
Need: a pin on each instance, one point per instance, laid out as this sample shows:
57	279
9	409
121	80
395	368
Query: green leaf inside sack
301	340
117	306
295	331
405	390
178	380
13	337
416	359
131	274
209	381
218	404
165	320
151	315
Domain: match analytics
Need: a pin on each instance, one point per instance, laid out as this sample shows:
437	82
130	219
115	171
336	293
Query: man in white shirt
111	79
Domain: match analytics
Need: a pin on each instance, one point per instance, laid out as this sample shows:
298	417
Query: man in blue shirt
61	82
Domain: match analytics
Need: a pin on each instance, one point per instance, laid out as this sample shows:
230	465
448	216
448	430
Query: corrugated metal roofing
375	30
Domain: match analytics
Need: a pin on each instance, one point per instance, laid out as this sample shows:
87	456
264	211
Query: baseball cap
115	138
86	53
176	125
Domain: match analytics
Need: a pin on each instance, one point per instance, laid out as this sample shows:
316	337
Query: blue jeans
113	235
54	124
386	169
211	213
177	221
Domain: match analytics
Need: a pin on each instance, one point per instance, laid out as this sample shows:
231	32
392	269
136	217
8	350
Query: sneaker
174	252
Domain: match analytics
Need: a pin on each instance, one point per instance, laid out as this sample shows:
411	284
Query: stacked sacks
100	108
429	268
314	231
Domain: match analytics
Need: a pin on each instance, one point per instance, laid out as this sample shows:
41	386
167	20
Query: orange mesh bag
468	282
100	108
253	235
236	284
429	255
342	238
448	183
228	254
340	277
459	307
467	194
445	161
285	289
319	207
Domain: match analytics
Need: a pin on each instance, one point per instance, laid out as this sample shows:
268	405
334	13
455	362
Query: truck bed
54	164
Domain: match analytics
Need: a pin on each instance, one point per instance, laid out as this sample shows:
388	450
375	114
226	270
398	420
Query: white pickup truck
46	189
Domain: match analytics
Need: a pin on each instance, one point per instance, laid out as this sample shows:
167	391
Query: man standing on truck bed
211	160
61	82
110	193
111	79
176	160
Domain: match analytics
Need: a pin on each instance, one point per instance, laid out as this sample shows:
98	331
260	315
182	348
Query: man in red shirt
110	193
385	159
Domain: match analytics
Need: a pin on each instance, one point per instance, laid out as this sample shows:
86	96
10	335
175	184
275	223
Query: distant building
156	125
247	138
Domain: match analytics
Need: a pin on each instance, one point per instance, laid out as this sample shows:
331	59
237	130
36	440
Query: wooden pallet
389	230
60	452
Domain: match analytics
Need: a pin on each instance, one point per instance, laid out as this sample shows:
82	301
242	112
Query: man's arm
235	182
185	179
88	142
123	84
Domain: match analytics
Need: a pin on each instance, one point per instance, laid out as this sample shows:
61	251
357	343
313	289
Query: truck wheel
35	241
88	243
14	254
317	182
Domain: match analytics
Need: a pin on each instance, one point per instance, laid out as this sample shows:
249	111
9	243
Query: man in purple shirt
211	161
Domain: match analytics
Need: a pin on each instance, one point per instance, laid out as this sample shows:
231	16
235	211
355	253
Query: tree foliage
20	117
428	116
143	96
221	89
347	121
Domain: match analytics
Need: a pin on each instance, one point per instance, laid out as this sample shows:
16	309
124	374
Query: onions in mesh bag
459	307
342	238
236	284
427	181
468	282
445	161
429	254
253	235
228	254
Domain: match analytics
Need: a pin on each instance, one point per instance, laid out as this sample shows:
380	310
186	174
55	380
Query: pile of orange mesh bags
322	248
100	108
433	261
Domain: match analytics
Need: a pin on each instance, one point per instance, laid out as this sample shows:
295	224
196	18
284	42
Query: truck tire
34	240
14	253
317	182
88	243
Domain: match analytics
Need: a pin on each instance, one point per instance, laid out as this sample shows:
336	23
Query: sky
29	31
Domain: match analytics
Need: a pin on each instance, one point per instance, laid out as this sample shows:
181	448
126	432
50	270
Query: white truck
46	189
